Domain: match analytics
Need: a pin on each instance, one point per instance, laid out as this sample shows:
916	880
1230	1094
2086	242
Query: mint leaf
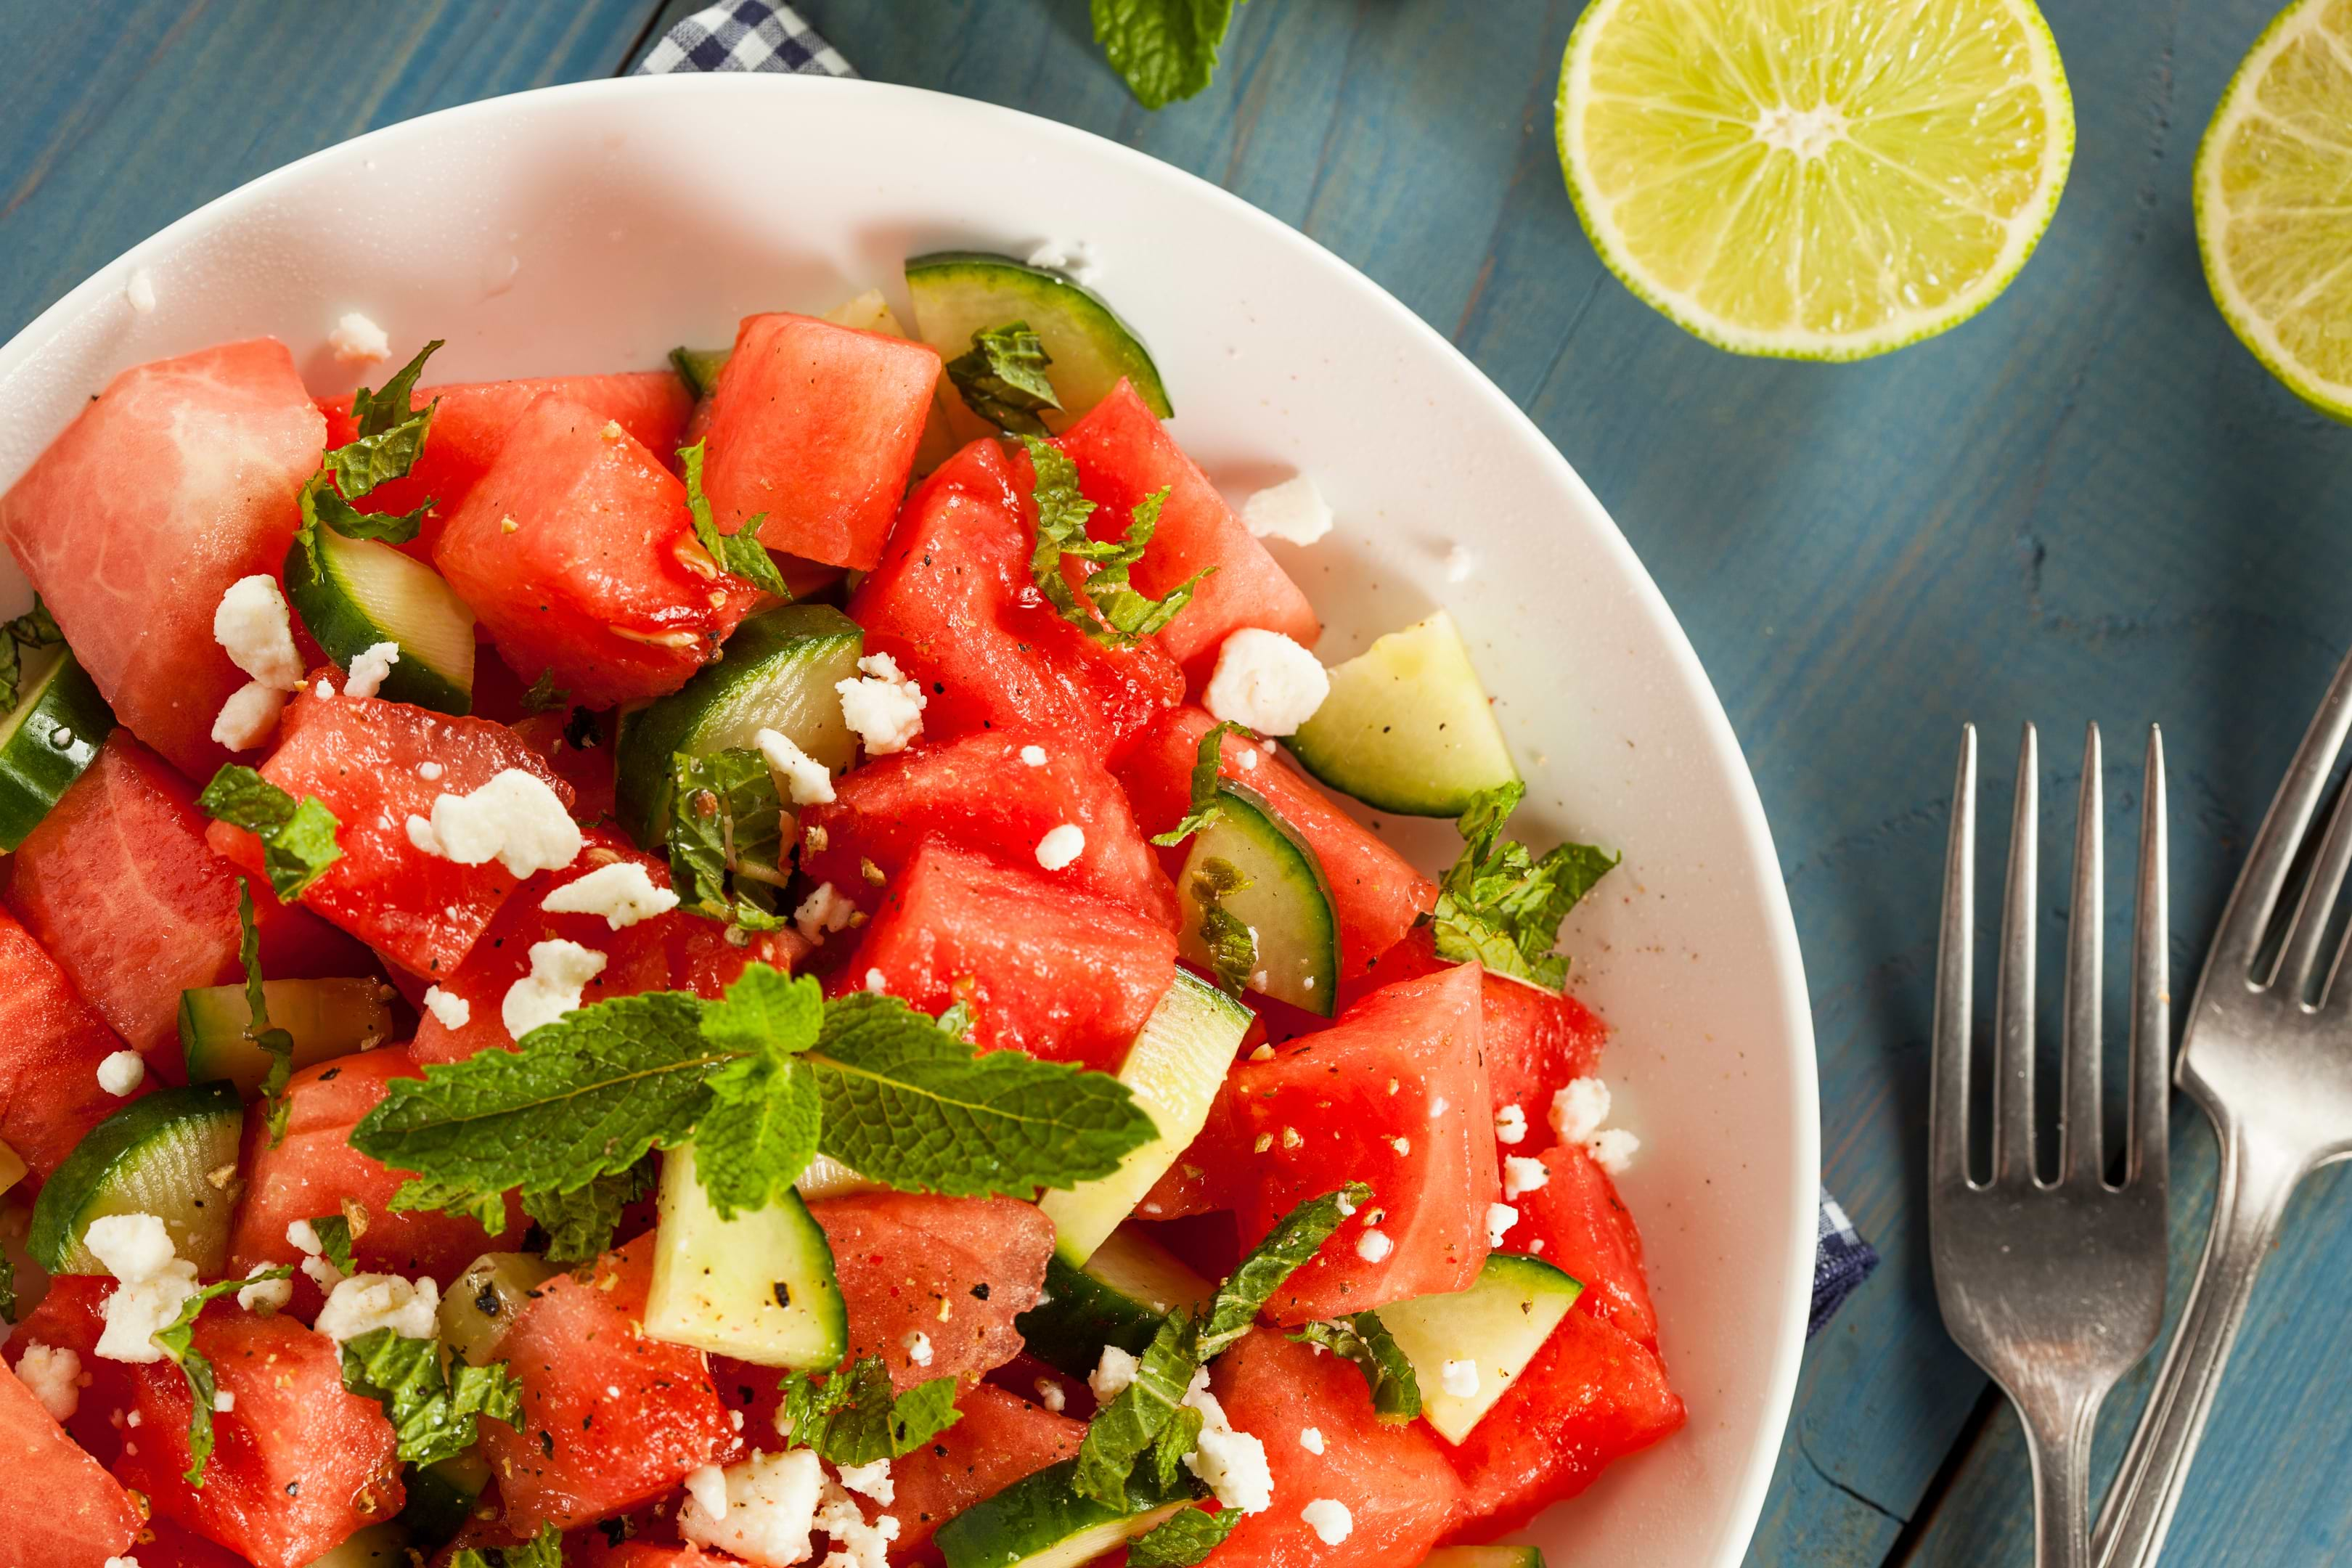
581	1223
1500	906
766	1011
1388	1371
334	1234
1127	613
544	696
726	849
739	553
906	1103
1112	611
544	1550
1206	812
323	507
35	629
1061	527
1298	1236
1232	946
1178	1439
297	840
277	1042
1183	1540
1124	1430
177	1340
1003	378
422	1195
1166	49
851	1418
699	368
379	414
760	1132
436	1416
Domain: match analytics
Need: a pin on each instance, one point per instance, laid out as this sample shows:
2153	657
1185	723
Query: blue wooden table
2088	504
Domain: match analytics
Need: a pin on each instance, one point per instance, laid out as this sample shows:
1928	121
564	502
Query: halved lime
2273	223
1814	179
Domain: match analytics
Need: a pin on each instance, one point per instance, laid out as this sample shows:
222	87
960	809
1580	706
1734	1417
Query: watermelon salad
768	961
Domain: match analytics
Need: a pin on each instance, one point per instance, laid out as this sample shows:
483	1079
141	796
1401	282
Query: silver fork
2055	1288
2268	1053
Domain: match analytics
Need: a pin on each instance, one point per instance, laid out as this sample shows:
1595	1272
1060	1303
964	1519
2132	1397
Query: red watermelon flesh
1047	970
472	422
954	604
169	1544
1123	454
1587	1230
360	756
902	1256
586	766
1393	1479
177	480
50	1045
71	1315
816	425
1000	1438
83	1519
299	1464
1375	892
1393	1094
121	886
978	793
584	1453
576	551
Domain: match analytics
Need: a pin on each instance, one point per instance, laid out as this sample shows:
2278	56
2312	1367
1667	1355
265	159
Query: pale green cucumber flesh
328	1018
1040	1521
353	593
157	1155
48	739
382	1545
1118	1299
1485	1557
1173	1069
758	1287
1498	1325
960	292
778	673
827	1177
1288	902
1407	726
480	1304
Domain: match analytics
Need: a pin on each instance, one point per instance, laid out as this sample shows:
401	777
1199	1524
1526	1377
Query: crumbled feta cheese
449	1012
1050	1396
1329	1520
1401	1146
1511	1125
514	819
224	1402
1347	1205
919	1348
1061	845
805	779
870	1480
134	1246
1438	1106
120	1562
823	912
321	1270
558	971
120	1072
1521	1174
428	772
256	630
303	1237
248	716
1111	1375
324	691
1034	755
1613	1149
1373	1247
357	340
1265	681
365	678
365	1303
1073	258
1294	510
621	893
706	1485
1230	1464
859	1543
1459	1378
876	982
265	1295
141	291
1500	1218
153	1285
1311	1439
885	707
771	1502
1578	1109
1460	563
53	1373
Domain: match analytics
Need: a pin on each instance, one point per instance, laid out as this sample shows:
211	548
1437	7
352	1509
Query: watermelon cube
999	1439
50	1045
955	1270
576	552
84	1518
1587	1230
71	1315
816	425
175	481
954	604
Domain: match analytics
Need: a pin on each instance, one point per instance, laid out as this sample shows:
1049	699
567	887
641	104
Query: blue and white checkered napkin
768	36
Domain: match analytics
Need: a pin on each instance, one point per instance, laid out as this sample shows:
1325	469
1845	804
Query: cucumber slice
699	368
441	1498
827	1177
1286	903
1118	1299
960	292
382	1545
480	1304
47	739
158	1155
1407	727
1173	1069
1040	1522
758	1287
328	1018
1485	1557
12	1167
1499	1324
778	674
353	593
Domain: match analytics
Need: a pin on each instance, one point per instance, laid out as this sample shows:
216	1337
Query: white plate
591	227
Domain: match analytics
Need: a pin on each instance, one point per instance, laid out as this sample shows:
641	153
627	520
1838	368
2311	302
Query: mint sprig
581	1223
1183	1540
1003	378
1166	49
1106	606
435	1414
298	839
391	439
739	553
763	1125
1205	810
177	1340
1231	944
727	846
852	1417
1501	906
278	1042
1364	1339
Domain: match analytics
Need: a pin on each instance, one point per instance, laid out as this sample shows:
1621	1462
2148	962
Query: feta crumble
1373	1247
1511	1125
1459	1378
1613	1149
357	340
1073	258
1521	1174
1230	1464
770	1503
859	1543
706	1485
869	1480
919	1348
884	706
365	676
1438	1106
1267	682
1061	845
1294	510
53	1373
1460	563
365	1303
428	772
120	1072
248	716
823	912
560	969
449	1012
1111	1375
1034	755
621	893
224	1402
141	291
1050	1396
255	628
515	819
1578	1109
154	1283
1329	1520
265	1295
1311	1439
1500	1218
805	780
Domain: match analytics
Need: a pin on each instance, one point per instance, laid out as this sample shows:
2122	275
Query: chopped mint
277	1042
436	1415
544	1550
177	1340
1105	606
35	629
1003	378
1363	1339
727	846
739	553
334	1234
1205	812
851	1418
297	840
7	1288
1501	906
544	696
1232	946
1183	1540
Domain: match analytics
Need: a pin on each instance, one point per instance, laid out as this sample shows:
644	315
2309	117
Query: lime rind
2023	231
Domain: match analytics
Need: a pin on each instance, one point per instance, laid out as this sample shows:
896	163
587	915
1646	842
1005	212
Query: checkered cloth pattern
767	36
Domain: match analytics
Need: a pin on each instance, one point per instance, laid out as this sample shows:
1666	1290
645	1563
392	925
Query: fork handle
2256	1180
2058	1441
